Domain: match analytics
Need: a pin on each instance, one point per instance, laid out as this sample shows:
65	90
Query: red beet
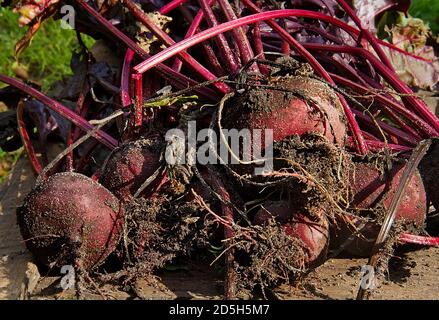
313	234
287	114
369	188
69	216
129	167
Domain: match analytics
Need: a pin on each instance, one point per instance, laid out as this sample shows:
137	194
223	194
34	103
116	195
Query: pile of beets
343	127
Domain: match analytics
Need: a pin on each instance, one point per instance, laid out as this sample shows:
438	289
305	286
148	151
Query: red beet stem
178	79
425	241
397	133
239	36
354	32
387	74
171	6
36	165
227	54
125	78
71	135
378	146
138	81
168	41
367	34
259	47
208	50
57	107
391	104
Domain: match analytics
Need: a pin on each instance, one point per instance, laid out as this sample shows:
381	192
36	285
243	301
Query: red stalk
63	111
72	131
259	47
239	35
138	80
425	241
355	32
36	165
367	34
212	59
221	41
178	79
208	50
168	41
171	6
389	75
377	146
125	78
393	105
397	133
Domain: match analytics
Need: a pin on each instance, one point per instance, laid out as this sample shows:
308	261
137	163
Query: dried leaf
368	10
411	35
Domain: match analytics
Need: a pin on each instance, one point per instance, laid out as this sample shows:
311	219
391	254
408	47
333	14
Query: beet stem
388	128
259	47
62	110
388	74
138	80
425	241
178	79
219	29
238	34
168	41
208	50
367	34
71	135
171	6
220	39
391	104
36	165
194	25
378	146
125	78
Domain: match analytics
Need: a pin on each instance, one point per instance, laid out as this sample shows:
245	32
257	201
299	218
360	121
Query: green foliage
47	59
7	160
427	10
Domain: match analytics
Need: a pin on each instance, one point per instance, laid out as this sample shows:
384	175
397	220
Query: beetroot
313	233
68	217
288	114
370	188
129	166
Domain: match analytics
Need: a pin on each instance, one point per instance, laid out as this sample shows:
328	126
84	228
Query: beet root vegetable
129	167
369	189
68	218
315	108
313	232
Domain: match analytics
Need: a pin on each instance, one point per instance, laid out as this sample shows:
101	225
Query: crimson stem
62	110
